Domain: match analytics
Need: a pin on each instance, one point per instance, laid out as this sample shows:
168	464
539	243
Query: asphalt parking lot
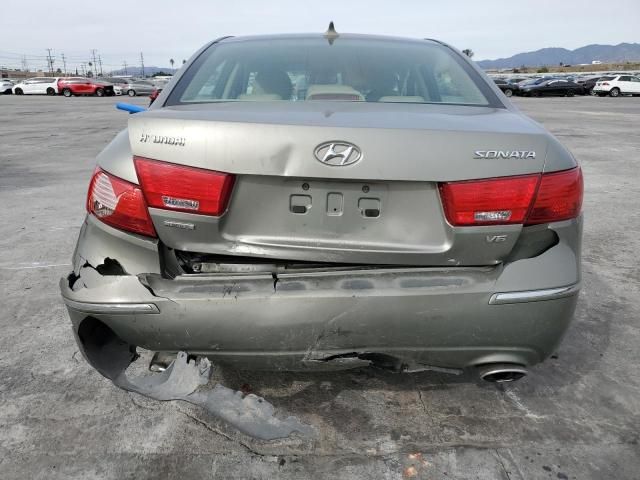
577	416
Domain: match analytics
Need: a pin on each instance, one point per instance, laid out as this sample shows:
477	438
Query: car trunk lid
383	209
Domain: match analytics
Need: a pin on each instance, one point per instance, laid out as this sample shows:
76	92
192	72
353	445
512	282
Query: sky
164	29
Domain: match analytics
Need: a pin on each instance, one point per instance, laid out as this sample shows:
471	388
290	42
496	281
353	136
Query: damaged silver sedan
324	202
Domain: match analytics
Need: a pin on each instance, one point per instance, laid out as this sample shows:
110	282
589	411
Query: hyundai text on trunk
330	201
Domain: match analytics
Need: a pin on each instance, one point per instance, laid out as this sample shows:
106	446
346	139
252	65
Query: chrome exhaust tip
502	372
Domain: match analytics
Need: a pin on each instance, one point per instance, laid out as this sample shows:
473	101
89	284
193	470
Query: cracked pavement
576	416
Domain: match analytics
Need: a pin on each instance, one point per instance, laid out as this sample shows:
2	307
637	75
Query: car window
349	69
635	79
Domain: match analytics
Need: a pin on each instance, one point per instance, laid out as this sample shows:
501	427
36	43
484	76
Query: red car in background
154	95
84	86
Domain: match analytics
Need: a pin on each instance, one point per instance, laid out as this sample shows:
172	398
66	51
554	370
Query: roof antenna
331	34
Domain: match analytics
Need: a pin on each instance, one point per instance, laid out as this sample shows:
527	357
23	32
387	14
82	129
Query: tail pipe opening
502	372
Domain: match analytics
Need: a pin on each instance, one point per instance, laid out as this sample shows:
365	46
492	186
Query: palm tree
468	52
184	61
172	61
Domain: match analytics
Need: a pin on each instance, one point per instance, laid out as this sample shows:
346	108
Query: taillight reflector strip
118	203
185	189
526	199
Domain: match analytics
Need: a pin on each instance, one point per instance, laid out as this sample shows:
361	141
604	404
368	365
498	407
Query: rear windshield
348	69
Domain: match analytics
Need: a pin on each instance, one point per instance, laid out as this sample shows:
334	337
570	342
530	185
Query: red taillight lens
559	197
528	199
605	83
488	202
184	189
119	203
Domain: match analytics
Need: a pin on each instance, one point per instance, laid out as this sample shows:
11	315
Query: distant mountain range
137	71
622	52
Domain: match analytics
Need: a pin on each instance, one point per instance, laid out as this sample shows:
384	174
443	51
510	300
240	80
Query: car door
145	88
562	87
624	83
87	87
40	86
28	85
549	88
634	85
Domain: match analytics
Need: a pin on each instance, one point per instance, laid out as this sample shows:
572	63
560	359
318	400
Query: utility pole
64	63
25	65
95	65
100	62
142	63
50	60
124	64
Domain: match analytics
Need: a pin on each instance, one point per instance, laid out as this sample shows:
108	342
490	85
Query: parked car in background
507	87
397	199
530	81
154	95
6	86
554	87
619	85
114	82
120	82
84	86
588	83
134	87
160	82
37	86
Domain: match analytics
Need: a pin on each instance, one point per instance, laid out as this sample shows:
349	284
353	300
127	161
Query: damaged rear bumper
444	317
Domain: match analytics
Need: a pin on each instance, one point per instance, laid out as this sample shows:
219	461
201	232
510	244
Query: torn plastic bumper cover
185	379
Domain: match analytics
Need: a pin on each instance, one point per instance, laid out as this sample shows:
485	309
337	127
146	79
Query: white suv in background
37	86
620	85
5	86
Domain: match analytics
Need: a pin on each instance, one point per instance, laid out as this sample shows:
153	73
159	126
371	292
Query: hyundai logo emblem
337	154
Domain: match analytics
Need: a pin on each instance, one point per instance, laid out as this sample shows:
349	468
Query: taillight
527	199
119	203
605	83
488	202
184	189
559	197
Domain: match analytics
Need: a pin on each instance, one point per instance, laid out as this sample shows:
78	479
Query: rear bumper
445	317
